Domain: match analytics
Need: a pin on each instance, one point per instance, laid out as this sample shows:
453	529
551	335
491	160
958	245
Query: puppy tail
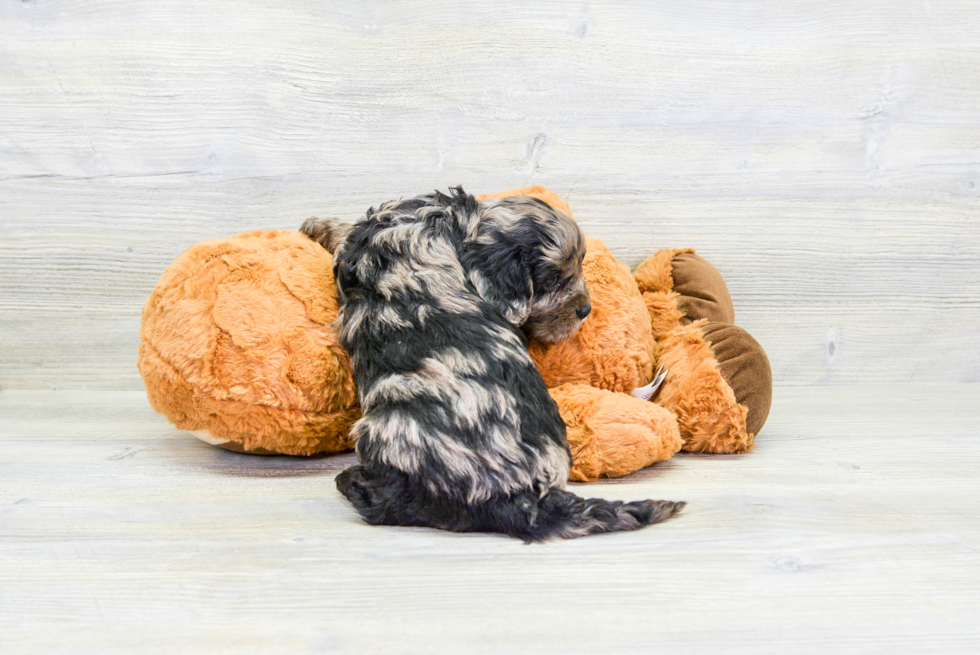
562	514
384	496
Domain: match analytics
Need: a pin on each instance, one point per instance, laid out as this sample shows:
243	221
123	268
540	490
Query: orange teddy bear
237	347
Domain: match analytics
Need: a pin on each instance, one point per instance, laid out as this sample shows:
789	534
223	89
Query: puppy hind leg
375	495
386	496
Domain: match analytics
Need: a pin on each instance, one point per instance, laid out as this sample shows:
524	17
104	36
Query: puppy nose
583	311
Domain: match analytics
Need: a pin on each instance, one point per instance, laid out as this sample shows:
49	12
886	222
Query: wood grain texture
824	155
853	527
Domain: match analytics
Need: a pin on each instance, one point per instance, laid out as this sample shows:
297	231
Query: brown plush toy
236	346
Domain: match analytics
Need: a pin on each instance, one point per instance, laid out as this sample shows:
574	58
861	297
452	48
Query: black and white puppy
459	431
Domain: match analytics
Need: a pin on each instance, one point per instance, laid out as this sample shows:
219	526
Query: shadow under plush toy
237	347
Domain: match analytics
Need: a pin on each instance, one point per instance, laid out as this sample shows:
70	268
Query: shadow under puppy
459	431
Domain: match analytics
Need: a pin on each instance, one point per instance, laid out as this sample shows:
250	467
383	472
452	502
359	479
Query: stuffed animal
237	347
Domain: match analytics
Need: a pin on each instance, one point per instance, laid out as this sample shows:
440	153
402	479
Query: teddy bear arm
612	434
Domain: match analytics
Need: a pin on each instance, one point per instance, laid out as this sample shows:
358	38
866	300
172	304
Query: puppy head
525	258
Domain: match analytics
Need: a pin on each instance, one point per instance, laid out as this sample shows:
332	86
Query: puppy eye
562	284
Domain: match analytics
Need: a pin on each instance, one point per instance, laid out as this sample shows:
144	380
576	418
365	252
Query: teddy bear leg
612	434
745	367
709	416
719	382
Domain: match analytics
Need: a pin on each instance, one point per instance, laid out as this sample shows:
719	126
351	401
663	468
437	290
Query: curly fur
437	296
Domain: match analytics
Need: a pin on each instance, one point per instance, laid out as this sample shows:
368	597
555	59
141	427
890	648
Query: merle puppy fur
459	431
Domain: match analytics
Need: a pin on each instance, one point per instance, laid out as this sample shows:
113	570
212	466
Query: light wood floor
853	527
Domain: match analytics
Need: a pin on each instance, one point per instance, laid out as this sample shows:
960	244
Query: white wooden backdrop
824	155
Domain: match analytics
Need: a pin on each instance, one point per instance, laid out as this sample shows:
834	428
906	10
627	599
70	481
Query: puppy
459	431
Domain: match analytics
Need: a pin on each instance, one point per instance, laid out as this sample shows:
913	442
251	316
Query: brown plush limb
613	434
654	277
708	413
709	416
703	292
744	365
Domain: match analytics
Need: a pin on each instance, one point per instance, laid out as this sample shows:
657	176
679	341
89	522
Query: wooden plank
826	157
887	294
853	526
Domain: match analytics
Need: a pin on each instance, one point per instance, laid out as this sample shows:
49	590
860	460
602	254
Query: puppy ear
499	269
328	232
